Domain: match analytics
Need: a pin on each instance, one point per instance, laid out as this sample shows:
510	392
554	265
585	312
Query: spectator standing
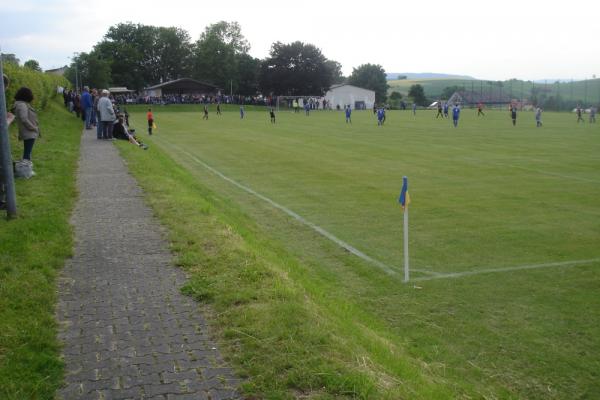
27	121
86	107
93	118
107	116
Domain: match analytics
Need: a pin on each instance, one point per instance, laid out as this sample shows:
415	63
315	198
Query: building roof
347	84
56	71
184	84
120	90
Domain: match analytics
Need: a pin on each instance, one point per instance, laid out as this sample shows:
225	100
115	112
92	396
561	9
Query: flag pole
406	266
404	201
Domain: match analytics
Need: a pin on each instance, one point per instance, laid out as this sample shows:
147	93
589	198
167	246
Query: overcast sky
498	40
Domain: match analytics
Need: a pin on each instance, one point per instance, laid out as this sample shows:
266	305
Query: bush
42	85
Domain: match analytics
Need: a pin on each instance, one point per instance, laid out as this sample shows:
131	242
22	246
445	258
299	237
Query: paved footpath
127	331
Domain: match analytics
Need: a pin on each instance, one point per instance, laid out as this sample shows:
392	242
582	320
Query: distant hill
425	75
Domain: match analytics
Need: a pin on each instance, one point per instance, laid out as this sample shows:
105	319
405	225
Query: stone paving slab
128	332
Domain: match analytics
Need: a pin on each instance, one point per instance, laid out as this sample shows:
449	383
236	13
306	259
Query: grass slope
300	316
33	248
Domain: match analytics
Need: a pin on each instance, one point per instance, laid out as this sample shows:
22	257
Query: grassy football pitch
504	235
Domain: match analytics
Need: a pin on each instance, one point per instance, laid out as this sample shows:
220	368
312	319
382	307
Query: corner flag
404	201
404	198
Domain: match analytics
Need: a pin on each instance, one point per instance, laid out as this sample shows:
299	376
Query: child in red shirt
150	119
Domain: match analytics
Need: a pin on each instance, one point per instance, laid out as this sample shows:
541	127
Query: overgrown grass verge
284	328
33	248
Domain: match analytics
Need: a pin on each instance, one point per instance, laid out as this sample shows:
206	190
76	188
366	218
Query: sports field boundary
392	271
387	269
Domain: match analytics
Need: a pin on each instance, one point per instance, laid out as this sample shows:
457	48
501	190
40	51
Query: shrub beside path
128	332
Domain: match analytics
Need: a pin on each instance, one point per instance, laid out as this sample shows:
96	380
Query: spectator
27	121
107	116
120	131
86	107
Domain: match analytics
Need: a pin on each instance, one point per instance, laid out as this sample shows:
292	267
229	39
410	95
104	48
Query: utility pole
5	155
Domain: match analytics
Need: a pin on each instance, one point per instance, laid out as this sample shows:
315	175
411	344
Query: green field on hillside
504	234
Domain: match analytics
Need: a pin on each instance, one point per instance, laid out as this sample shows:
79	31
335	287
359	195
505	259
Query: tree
10	58
395	98
248	69
219	55
129	49
173	51
33	65
417	93
373	77
142	55
336	72
295	69
91	71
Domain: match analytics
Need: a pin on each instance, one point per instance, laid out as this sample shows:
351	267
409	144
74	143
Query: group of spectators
99	110
134	98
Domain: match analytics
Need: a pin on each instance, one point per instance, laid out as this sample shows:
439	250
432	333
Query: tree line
138	56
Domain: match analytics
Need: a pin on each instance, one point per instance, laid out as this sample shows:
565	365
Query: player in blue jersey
241	112
455	115
445	110
380	116
348	114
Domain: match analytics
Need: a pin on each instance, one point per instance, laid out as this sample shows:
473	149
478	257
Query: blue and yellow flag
404	198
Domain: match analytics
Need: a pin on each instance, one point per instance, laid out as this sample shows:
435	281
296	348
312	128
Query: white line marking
291	213
506	269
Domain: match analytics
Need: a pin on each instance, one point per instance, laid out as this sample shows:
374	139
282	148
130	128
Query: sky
493	40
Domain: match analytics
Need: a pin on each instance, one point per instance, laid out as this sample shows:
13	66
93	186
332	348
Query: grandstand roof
184	85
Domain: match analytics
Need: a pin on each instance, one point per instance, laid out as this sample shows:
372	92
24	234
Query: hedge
44	86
